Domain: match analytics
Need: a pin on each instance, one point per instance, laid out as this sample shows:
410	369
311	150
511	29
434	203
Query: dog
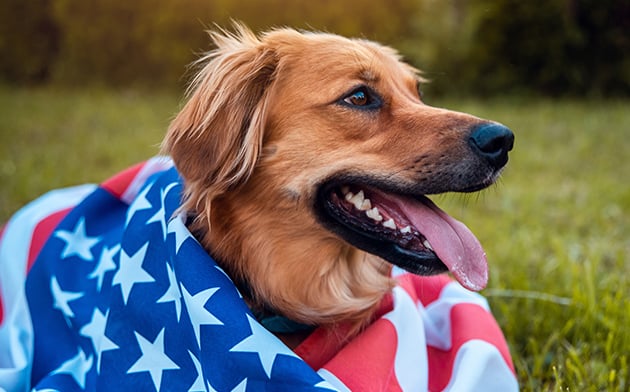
307	146
302	164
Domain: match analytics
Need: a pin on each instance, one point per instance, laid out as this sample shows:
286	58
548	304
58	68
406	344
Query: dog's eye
420	92
362	97
357	98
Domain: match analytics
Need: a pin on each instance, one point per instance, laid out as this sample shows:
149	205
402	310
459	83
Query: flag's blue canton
135	303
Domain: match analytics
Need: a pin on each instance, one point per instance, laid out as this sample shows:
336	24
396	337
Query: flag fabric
104	288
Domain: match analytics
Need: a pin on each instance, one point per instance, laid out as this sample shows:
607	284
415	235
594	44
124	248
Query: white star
62	298
105	345
131	271
153	360
177	226
105	263
263	343
160	215
197	311
172	294
242	387
95	330
77	366
139	204
199	384
77	242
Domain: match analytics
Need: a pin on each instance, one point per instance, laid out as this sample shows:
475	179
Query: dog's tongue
451	240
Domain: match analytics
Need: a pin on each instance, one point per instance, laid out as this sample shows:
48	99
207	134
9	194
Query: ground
556	228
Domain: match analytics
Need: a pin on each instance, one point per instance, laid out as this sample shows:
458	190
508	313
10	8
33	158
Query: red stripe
426	288
118	184
367	362
42	232
323	344
468	322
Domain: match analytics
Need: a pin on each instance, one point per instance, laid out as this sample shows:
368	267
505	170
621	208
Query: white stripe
16	331
411	361
437	315
453	291
479	366
152	166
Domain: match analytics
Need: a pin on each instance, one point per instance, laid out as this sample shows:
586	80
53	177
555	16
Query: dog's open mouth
410	232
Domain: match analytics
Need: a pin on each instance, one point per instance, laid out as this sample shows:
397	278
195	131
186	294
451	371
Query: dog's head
306	159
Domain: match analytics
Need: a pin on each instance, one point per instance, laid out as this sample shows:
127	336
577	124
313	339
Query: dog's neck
302	272
269	318
290	332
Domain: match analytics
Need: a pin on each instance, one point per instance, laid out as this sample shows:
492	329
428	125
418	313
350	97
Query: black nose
492	141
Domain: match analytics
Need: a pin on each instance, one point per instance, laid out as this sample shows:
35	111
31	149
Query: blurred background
480	47
88	88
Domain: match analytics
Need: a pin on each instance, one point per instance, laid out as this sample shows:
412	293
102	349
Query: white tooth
427	245
366	205
349	195
390	224
406	229
374	214
357	200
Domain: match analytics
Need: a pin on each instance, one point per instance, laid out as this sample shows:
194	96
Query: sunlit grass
556	228
557	233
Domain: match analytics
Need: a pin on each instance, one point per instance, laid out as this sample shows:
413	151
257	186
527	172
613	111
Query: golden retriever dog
307	158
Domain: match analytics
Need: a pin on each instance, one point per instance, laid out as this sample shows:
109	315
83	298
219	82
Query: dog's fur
267	122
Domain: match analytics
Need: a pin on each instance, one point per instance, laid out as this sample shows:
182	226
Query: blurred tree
119	42
383	20
122	42
465	46
605	49
558	47
29	40
439	44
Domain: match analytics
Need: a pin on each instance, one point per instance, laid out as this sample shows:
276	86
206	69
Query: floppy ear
216	138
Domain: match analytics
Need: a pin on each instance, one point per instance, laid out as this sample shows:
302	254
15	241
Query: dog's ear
216	138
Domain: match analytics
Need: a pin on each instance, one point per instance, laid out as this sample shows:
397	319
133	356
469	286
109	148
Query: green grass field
556	228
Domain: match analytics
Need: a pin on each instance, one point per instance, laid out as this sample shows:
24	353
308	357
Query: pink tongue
451	240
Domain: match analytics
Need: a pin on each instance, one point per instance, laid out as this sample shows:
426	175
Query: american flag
104	288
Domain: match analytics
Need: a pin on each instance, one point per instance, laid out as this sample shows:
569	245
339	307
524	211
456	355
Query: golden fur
262	128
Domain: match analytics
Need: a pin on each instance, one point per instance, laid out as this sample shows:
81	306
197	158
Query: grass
51	138
556	228
557	234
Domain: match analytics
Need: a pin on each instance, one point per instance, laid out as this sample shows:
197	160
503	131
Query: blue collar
280	324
